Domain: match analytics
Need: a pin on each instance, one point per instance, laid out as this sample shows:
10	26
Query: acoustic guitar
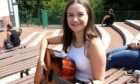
60	69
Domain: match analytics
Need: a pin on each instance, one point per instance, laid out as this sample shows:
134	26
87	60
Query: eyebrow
69	13
72	13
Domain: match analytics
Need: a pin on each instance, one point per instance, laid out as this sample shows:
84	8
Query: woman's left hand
133	45
138	45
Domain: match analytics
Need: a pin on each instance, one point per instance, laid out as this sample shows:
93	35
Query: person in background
81	42
108	19
127	56
13	36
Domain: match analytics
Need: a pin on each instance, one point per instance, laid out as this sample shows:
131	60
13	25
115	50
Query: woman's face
77	17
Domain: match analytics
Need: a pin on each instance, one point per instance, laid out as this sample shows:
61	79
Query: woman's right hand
42	68
39	76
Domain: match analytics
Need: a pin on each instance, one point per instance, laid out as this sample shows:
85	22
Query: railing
34	18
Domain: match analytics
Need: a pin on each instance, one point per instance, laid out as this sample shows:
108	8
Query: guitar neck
59	80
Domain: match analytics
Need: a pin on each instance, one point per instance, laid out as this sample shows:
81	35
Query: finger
42	75
45	68
133	46
41	70
138	45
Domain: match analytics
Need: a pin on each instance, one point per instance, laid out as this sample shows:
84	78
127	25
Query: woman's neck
78	41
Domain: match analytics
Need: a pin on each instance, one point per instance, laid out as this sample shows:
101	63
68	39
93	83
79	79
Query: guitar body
60	70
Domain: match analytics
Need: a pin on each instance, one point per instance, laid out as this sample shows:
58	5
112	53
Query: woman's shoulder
95	41
95	47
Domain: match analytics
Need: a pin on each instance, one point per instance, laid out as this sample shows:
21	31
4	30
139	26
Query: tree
122	5
97	5
55	10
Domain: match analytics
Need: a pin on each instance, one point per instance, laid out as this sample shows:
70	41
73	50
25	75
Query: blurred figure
108	19
13	35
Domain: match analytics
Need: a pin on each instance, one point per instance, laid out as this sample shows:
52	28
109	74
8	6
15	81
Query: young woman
126	56
81	42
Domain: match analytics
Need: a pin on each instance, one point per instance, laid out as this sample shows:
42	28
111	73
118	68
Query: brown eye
70	15
81	14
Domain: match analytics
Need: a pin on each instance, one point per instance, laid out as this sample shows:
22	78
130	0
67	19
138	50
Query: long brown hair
90	30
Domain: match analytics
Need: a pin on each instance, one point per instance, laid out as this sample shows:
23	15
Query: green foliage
56	8
122	5
97	5
32	8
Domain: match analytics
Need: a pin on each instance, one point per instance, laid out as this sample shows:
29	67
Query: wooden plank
19	57
17	67
132	81
15	52
109	72
114	76
29	78
15	48
29	81
122	80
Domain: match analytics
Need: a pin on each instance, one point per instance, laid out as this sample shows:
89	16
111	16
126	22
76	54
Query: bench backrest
18	60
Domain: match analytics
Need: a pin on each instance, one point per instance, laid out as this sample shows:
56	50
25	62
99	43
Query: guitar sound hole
50	75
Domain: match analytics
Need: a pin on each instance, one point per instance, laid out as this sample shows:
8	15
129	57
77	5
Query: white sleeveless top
83	67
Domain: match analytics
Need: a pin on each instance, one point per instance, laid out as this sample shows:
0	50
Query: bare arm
41	64
97	56
46	41
8	35
105	17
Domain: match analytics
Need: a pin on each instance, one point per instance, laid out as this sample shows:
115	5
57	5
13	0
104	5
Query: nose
75	18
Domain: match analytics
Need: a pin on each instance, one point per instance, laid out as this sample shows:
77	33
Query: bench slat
15	48
19	57
114	76
122	79
15	52
109	72
22	80
17	67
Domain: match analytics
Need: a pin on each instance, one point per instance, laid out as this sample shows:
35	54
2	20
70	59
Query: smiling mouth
76	24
